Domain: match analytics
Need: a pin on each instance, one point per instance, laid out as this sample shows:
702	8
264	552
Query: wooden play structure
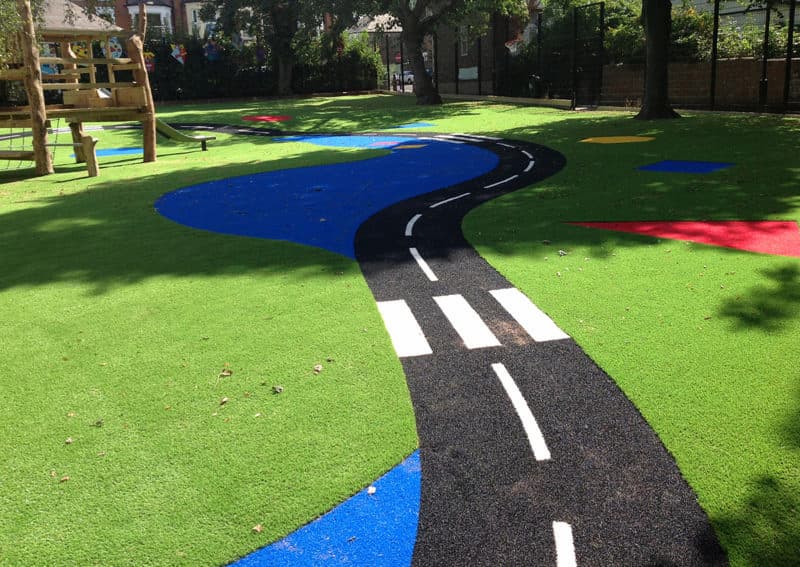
85	99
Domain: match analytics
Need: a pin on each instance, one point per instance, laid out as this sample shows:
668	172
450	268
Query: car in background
408	77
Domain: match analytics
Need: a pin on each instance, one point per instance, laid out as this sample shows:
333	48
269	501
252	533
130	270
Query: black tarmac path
578	477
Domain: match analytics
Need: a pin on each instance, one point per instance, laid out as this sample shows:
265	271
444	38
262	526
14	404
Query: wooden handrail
79	61
13	74
84	86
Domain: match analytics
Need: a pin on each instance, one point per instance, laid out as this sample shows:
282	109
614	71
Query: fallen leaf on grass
317	369
68	441
64	478
257	529
223	401
225	373
277	389
98	423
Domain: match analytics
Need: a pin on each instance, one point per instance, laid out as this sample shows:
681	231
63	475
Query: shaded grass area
110	312
116	327
703	340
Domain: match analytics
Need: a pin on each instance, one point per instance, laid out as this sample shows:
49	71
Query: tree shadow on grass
109	235
767	307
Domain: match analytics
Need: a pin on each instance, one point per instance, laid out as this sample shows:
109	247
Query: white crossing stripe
423	264
506	180
440	203
538	325
410	225
406	334
466	321
535	437
565	547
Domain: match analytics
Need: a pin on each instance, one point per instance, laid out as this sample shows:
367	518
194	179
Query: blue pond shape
323	206
106	152
368	529
682	166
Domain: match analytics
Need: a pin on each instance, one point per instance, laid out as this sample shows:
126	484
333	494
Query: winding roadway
530	454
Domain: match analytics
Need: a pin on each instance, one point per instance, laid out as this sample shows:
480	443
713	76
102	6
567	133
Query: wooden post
76	130
33	86
88	144
136	54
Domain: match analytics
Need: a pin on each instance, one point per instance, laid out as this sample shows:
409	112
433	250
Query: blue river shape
323	206
369	530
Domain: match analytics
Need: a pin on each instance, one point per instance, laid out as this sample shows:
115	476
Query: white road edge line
423	265
440	203
513	177
536	323
535	437
466	321
527	154
530	166
406	334
565	547
410	225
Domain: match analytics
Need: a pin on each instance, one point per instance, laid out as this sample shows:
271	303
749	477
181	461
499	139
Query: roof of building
65	18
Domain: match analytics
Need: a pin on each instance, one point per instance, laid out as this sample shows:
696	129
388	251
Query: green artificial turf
116	327
702	339
110	312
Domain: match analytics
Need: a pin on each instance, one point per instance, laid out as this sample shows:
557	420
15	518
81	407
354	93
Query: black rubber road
486	499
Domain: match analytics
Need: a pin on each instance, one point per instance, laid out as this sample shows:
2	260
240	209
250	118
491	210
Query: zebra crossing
409	339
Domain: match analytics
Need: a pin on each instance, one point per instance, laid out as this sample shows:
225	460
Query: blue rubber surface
367	530
323	206
413	125
678	166
105	152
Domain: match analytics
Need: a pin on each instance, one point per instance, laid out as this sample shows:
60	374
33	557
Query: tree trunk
33	86
657	16
284	65
426	92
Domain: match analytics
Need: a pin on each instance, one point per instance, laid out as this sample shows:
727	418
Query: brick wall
689	83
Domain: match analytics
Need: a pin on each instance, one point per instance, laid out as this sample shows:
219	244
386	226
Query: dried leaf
371	490
562	252
98	423
53	474
277	389
317	369
71	414
64	478
225	373
68	441
257	529
223	401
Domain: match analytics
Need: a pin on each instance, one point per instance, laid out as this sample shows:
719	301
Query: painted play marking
106	152
476	136
410	147
406	334
527	154
413	125
684	166
267	118
423	265
505	145
411	223
449	139
466	322
565	546
538	325
535	437
779	238
506	180
618	139
450	200
530	166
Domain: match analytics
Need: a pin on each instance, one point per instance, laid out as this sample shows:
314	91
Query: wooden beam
18	155
84	86
136	53
33	85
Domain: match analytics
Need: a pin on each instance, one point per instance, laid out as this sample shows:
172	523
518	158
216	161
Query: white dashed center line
535	437
410	225
423	265
466	321
530	166
538	325
406	334
440	203
513	177
565	548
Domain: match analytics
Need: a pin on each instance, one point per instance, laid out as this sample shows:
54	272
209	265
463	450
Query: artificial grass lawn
110	312
147	312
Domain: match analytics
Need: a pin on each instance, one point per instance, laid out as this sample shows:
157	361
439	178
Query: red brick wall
689	83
